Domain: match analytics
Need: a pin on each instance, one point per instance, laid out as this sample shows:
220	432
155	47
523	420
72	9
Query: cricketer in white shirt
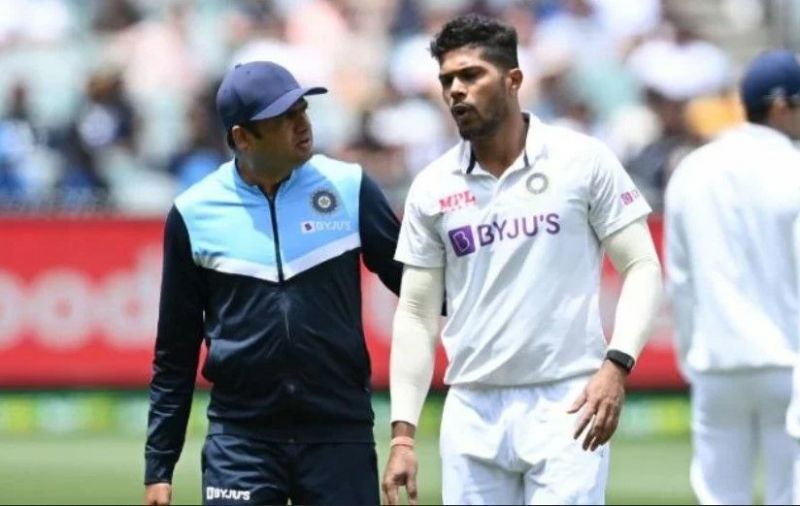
732	280
512	223
521	256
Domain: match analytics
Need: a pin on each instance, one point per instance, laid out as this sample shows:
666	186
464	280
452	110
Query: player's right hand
157	494
401	470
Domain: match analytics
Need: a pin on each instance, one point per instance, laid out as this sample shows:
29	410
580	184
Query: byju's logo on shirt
310	227
227	494
463	239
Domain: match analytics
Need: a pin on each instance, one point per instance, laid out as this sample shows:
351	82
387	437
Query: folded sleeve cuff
158	470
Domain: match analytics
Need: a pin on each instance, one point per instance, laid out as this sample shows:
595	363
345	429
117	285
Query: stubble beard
497	114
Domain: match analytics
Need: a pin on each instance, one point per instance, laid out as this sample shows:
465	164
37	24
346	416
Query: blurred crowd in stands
108	106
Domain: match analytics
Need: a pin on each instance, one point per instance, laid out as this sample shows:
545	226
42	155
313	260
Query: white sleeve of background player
414	335
633	254
793	413
419	243
796	243
614	201
679	284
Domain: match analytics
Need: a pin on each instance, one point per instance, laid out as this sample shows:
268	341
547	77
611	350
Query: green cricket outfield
51	469
87	448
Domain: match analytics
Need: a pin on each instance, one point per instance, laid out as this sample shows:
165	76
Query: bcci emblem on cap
324	201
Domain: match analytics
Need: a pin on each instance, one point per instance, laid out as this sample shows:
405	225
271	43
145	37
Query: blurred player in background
513	221
793	413
730	210
262	257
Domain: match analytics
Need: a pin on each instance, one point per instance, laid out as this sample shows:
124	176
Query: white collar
534	146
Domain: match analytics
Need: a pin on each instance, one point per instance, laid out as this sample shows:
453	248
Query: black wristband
621	359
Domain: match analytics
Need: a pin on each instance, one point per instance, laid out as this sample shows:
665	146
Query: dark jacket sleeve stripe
379	228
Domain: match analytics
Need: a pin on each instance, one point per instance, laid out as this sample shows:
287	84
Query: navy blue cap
770	75
258	90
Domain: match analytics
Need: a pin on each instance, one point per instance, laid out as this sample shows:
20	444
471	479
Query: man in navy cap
262	263
731	274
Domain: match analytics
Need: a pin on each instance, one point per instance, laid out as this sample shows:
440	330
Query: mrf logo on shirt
466	240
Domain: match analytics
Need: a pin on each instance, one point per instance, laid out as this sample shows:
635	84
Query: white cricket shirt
521	254
731	274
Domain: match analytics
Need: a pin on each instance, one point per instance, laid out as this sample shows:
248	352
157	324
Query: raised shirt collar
534	146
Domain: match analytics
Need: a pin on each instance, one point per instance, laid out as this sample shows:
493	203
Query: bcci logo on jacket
324	201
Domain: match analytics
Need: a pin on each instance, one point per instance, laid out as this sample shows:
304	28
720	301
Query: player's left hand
401	470
601	401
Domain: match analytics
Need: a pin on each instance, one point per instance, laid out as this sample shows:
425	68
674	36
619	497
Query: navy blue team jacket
273	287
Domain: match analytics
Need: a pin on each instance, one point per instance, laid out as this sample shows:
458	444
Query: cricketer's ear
240	138
514	77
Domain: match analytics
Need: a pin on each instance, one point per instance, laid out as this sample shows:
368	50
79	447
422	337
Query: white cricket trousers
736	416
514	445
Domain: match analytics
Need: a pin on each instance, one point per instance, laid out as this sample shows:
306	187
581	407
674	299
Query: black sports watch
621	359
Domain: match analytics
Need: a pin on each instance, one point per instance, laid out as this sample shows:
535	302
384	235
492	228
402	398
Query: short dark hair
757	114
498	40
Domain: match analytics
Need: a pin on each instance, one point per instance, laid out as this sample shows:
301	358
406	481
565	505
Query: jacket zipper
291	385
274	219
